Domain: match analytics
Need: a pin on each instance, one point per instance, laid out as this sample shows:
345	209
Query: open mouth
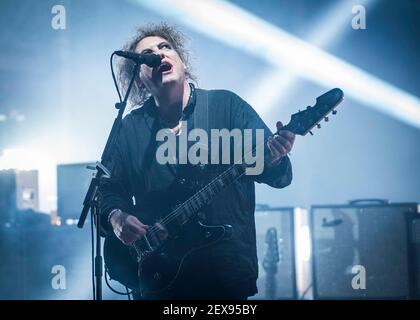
165	68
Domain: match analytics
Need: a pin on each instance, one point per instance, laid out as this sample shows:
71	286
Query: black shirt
230	266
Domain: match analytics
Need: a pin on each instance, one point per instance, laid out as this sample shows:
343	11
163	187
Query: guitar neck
190	208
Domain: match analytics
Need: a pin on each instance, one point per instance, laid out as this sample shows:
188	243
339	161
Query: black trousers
200	291
198	296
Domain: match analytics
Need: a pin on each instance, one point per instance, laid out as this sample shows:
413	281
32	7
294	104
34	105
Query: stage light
303	252
275	85
23	159
71	222
241	29
305	249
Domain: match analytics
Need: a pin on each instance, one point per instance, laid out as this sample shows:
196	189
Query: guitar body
155	271
270	286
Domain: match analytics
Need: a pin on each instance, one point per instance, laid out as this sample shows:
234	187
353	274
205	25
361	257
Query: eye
165	45
146	51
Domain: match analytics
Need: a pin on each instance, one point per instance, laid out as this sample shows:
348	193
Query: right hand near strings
127	227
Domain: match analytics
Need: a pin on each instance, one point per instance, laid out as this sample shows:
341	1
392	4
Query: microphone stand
91	199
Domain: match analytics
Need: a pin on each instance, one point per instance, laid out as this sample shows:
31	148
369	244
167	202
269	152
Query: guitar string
209	185
205	188
173	215
188	202
196	196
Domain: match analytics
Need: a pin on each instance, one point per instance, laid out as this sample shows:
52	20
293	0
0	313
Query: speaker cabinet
72	184
37	256
365	251
18	191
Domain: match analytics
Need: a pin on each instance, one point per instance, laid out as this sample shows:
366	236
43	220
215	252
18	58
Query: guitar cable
92	256
127	293
114	78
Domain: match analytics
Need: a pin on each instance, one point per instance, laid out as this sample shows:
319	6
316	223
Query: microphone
152	60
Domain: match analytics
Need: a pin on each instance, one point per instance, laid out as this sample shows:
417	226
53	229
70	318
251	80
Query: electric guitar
270	262
153	263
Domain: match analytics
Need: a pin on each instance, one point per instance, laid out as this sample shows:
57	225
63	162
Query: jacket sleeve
114	192
245	117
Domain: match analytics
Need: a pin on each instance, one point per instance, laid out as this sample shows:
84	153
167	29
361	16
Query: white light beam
239	28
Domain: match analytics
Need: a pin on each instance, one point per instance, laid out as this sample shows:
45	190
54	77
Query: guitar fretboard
204	196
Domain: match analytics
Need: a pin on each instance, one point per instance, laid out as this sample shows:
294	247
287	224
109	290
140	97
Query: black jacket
137	176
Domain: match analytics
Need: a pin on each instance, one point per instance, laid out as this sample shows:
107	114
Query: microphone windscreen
152	60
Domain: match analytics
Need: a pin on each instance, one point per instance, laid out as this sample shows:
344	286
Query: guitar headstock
303	121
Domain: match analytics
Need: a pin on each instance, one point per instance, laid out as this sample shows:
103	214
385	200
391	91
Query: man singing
167	99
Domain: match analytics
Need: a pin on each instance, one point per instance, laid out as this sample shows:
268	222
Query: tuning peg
334	111
318	126
326	119
311	133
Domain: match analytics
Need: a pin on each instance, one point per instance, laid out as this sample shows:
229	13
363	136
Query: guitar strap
201	113
207	119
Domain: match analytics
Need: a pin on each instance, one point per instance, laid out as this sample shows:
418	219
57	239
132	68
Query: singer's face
170	72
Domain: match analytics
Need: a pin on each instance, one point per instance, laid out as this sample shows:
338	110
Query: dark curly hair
139	93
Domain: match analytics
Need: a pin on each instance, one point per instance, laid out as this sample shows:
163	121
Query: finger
279	140
127	237
130	224
136	229
279	125
279	147
274	152
137	222
287	134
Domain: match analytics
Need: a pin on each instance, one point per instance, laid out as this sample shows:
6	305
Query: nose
160	53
